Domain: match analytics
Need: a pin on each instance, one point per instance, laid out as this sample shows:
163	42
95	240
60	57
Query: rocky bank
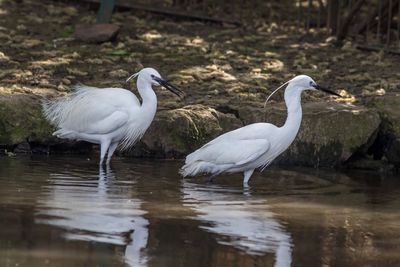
226	72
332	134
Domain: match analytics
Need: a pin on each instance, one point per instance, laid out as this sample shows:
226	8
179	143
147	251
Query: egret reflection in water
239	221
96	208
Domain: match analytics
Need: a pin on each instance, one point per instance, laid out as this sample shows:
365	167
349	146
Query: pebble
71	11
94	61
3	57
29	43
97	33
66	81
77	72
119	73
61	87
21	27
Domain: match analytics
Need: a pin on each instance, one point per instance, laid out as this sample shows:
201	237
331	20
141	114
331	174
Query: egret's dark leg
211	178
103	150
110	152
247	175
104	171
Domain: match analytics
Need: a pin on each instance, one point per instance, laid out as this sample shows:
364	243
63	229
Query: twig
167	11
377	49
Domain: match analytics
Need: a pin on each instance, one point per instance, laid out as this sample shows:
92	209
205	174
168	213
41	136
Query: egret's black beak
323	89
169	87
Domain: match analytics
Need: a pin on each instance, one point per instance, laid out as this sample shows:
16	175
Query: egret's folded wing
100	120
107	125
237	152
90	110
249	132
244	151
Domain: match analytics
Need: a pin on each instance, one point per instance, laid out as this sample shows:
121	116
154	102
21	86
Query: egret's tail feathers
49	110
198	167
190	169
66	109
65	134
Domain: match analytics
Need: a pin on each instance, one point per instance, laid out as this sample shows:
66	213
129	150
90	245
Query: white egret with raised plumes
110	117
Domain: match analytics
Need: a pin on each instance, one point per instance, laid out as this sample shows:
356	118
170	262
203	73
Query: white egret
110	117
255	145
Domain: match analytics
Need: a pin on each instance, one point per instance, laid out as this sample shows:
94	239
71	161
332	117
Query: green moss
67	32
388	108
21	119
186	129
314	155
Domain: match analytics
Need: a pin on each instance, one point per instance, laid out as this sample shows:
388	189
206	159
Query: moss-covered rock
393	152
21	120
249	114
176	132
388	107
330	133
24	129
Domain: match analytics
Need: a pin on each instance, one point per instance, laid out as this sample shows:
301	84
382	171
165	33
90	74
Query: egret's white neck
293	104
149	98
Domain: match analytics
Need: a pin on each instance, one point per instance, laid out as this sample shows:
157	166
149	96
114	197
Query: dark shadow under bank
368	171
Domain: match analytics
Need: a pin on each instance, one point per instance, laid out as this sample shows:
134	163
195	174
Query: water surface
63	211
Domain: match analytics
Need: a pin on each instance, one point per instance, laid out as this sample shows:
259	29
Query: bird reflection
97	209
239	220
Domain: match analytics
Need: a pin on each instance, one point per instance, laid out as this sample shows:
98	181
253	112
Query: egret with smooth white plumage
110	117
255	145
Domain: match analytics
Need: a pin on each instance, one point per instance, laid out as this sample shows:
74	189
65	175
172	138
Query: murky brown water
61	211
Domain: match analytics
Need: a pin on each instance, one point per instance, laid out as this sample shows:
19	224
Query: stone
70	11
330	134
4	58
21	120
249	114
367	164
177	132
393	152
94	61
76	72
21	27
388	107
23	126
66	81
120	73
96	33
23	148
30	43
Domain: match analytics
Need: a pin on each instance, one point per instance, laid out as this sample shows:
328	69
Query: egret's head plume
133	76
276	90
303	82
